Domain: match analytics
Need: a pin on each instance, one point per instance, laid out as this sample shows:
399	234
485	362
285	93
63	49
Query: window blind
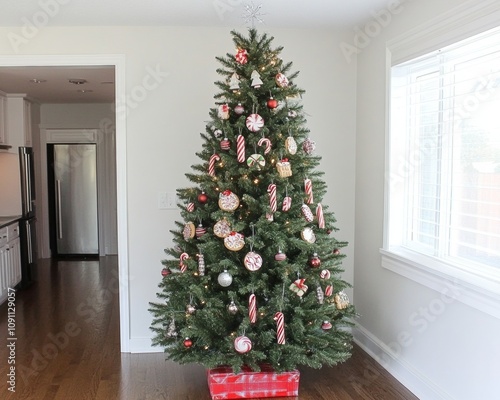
445	129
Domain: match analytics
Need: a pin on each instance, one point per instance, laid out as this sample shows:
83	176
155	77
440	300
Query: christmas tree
254	277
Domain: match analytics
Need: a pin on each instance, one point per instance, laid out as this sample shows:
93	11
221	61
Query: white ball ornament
225	279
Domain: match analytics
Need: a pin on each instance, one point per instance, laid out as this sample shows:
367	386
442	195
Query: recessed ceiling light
35	80
77	81
84	91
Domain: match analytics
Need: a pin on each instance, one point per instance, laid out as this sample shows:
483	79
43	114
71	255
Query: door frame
119	62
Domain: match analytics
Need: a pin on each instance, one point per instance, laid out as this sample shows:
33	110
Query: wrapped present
224	384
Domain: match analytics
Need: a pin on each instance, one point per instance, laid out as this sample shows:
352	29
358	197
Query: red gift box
224	384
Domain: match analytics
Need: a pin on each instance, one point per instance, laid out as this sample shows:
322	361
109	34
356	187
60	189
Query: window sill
481	291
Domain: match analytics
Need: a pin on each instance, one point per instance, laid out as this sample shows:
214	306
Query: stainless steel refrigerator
74	203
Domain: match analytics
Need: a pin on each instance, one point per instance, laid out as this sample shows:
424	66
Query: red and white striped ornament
280	327
254	122
252	308
200	231
183	257
211	164
242	344
190	207
273	201
309	191
241	56
320	216
240	148
325	274
279	256
225	144
329	291
287	203
265	142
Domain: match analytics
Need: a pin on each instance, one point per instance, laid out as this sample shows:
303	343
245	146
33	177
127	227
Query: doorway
118	62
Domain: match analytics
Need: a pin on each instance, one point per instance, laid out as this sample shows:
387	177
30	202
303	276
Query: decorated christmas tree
254	277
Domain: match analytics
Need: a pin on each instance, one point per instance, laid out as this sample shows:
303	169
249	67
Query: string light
256	181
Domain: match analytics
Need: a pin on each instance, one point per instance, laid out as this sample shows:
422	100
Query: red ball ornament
336	252
315	262
188	342
272	103
202	198
225	144
165	272
239	109
200	231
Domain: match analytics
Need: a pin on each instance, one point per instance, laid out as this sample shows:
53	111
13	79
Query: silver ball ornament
232	308
190	309
225	279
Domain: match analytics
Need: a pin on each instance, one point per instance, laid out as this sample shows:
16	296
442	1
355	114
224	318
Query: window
444	181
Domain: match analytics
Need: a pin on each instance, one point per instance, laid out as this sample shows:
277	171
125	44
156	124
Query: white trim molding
119	62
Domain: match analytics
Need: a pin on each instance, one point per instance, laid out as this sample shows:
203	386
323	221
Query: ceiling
56	87
298	14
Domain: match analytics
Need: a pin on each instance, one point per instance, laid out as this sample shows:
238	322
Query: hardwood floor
67	348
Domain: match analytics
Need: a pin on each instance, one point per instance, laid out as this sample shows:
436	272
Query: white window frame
478	288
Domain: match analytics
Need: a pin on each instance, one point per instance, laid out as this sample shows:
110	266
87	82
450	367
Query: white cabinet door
27	123
14	256
18	128
3	272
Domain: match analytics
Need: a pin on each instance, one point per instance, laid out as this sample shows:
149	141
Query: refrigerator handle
27	201
28	182
29	238
58	209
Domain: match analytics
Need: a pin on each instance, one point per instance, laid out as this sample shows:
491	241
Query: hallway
67	348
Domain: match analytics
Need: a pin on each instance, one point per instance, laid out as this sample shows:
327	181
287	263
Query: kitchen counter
4	221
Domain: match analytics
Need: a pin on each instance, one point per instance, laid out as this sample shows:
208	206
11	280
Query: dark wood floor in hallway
67	348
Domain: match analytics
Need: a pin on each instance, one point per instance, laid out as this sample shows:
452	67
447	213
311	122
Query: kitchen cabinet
10	259
19	124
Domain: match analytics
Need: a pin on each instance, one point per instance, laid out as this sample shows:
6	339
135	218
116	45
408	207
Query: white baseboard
420	385
143	345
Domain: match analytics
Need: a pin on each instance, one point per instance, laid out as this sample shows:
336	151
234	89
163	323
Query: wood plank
68	347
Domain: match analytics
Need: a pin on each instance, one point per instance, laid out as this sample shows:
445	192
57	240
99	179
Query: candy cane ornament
265	142
280	327
240	148
320	216
252	309
183	257
309	191
273	201
211	164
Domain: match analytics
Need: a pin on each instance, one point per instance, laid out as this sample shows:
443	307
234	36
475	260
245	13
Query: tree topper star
252	14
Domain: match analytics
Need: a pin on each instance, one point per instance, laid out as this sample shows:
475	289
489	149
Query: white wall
439	353
163	124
